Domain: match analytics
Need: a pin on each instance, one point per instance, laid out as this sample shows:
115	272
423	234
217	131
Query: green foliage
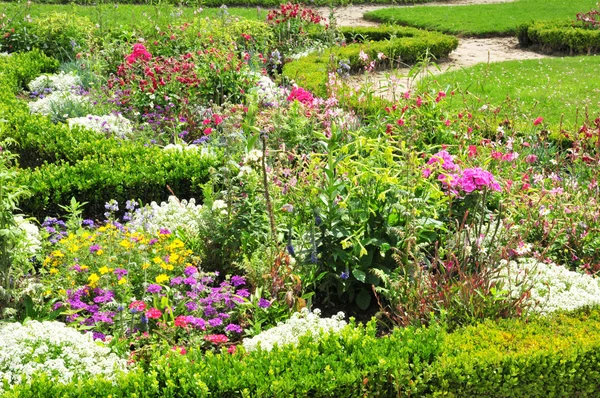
560	37
145	173
399	45
58	35
19	69
482	20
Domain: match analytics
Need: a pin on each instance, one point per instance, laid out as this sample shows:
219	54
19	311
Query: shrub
58	35
560	37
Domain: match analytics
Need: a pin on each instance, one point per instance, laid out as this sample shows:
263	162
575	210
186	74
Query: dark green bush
19	69
58	35
559	37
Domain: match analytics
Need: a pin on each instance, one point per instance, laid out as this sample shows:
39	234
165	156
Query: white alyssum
56	82
172	214
553	287
116	125
268	93
54	349
300	324
55	101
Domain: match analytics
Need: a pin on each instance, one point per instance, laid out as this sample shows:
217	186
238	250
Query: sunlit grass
482	19
554	88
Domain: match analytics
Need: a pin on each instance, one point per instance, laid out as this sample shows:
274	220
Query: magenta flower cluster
459	181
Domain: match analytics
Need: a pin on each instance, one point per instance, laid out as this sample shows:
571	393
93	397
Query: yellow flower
122	281
84	267
104	270
157	260
57	253
168	267
125	243
145	265
176	244
162	278
53	271
99	252
93	279
174	257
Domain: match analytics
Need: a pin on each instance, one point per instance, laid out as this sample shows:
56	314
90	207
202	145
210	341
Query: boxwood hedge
559	37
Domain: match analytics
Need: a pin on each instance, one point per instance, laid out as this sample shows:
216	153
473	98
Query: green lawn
482	20
549	88
126	15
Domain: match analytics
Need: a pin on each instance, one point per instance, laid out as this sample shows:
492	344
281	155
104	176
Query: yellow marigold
84	267
168	267
53	271
176	244
122	281
157	260
104	270
99	252
162	278
145	265
173	258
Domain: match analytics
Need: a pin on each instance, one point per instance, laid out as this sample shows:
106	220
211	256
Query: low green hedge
559	37
58	163
400	45
557	357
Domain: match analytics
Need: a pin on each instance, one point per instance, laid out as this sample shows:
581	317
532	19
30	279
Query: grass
554	88
483	19
126	16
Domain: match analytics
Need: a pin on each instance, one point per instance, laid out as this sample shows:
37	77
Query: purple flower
99	336
153	288
264	303
164	231
120	273
232	327
88	223
344	275
243	293
476	179
189	271
210	311
57	306
191	306
238	280
95	248
199	323
152	241
223	315
178	280
215	322
190	281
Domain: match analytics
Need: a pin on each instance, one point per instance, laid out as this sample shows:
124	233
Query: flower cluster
290	11
52	348
553	287
300	324
268	93
455	179
115	125
58	102
301	95
139	53
55	82
173	214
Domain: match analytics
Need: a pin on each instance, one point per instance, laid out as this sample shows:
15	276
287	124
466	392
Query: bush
559	37
122	173
19	69
58	35
399	45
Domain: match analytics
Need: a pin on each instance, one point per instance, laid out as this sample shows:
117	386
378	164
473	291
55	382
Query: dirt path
353	15
470	51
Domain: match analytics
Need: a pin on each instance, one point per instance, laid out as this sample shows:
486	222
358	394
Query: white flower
60	82
117	125
31	242
173	214
54	349
55	101
300	324
253	157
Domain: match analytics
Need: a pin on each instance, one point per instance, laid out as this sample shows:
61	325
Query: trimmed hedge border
59	163
557	356
397	43
559	37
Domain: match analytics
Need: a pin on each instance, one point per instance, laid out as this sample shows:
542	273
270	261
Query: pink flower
137	306
216	338
476	179
445	160
301	95
531	158
153	313
472	152
537	121
419	102
400	122
181	321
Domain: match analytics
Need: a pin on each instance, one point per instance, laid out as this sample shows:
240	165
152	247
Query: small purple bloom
189	271
215	322
238	280
243	293
95	248
191	306
88	223
164	231
153	288
264	303
345	275
178	280
120	273
232	327
152	241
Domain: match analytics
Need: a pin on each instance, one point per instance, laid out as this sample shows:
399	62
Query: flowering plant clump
60	104
301	95
173	214
115	125
55	82
552	287
300	324
60	352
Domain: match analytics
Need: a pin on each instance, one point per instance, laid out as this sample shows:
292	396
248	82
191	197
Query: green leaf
359	275
363	299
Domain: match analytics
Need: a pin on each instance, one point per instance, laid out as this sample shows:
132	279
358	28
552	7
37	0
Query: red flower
137	306
181	321
216	338
153	313
538	121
